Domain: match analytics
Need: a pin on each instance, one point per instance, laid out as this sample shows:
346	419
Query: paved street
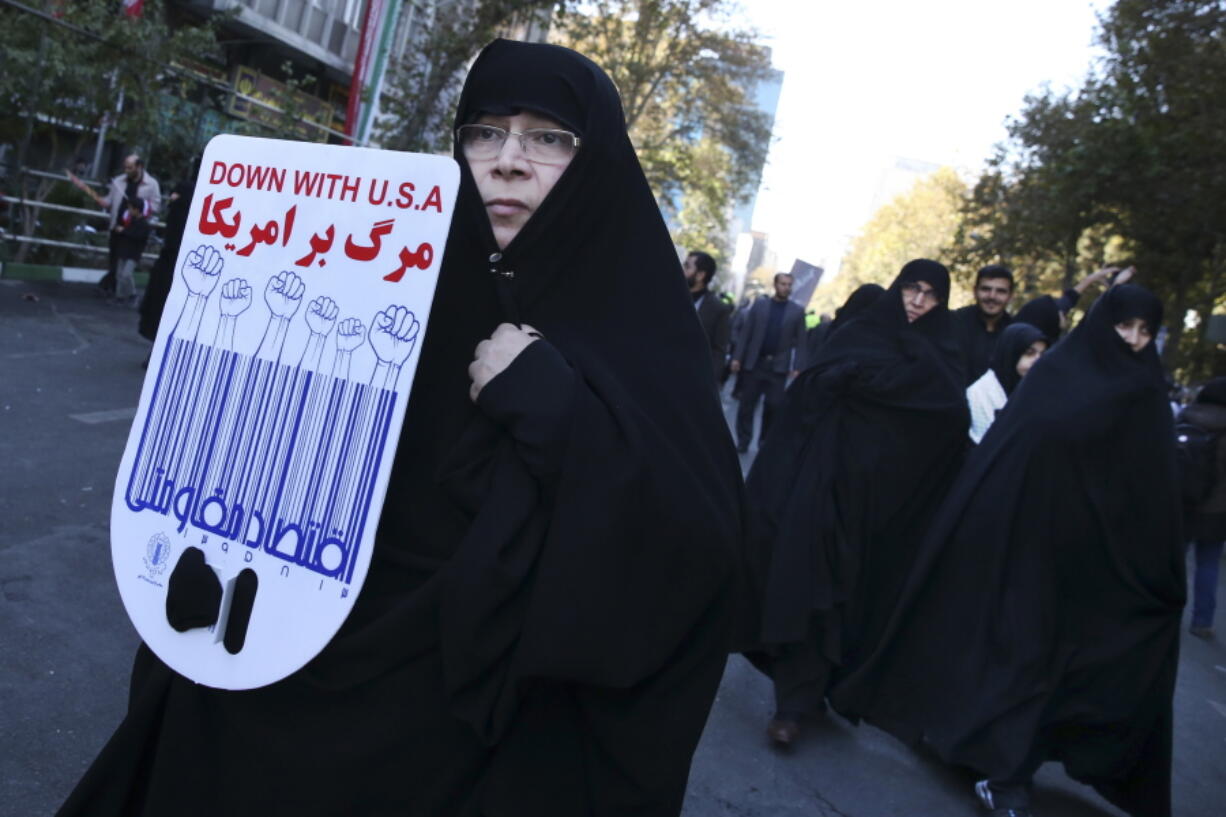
69	380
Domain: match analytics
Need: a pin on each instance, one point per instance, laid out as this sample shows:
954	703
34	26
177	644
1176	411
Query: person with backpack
1201	446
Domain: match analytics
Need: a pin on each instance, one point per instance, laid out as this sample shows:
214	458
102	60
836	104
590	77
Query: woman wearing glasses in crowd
549	605
841	493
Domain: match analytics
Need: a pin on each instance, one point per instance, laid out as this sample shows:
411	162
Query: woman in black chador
1042	621
841	493
549	606
1018	349
162	275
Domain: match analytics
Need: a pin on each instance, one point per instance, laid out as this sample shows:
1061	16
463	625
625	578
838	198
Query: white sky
867	83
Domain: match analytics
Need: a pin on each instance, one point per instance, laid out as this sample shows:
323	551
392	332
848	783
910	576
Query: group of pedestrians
567	552
993	569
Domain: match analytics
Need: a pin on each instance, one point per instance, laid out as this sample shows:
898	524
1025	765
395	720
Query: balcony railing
330	26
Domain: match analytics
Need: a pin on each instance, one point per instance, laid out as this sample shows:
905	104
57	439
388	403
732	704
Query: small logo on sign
157	554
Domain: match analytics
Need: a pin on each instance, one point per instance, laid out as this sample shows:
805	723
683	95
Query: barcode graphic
277	458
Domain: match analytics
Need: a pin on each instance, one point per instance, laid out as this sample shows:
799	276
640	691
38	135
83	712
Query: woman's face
1136	332
511	185
1033	352
918	299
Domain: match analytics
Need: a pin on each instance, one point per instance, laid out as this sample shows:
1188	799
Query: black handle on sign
193	594
245	586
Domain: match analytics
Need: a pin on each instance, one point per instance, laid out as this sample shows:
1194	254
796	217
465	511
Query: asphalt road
69	380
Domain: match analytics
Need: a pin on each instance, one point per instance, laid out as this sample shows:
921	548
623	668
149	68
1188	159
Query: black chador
1042	621
549	606
840	495
859	300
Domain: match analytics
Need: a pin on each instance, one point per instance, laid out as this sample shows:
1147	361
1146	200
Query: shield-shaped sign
246	504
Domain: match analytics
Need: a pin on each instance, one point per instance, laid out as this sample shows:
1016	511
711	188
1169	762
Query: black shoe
983	791
783	731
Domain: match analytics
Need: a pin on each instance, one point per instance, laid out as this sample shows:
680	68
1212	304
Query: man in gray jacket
134	182
769	350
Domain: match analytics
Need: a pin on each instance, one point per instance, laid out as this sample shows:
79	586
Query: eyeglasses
546	146
911	290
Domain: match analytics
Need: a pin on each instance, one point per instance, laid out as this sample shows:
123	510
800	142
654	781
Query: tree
686	77
920	223
62	77
1134	161
1030	207
1161	116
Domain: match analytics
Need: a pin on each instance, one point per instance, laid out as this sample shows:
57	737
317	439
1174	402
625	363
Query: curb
12	270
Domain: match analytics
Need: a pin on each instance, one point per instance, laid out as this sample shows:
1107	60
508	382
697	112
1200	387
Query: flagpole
380	70
355	84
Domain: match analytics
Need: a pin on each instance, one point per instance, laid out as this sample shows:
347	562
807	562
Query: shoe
783	732
1202	632
984	794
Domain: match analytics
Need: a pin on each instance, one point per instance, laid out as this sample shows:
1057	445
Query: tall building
752	248
766	99
753	253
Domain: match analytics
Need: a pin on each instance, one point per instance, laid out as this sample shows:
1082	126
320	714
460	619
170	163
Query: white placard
275	393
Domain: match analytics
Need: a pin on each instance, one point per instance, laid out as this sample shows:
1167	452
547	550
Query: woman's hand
497	352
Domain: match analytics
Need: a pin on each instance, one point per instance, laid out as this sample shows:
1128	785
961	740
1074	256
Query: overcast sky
868	83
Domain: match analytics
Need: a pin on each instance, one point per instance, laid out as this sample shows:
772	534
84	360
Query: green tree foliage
63	75
686	74
1030	207
1134	162
59	82
920	223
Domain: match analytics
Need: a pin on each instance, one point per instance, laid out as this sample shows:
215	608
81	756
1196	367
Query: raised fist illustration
202	270
393	335
235	297
321	315
284	294
350	334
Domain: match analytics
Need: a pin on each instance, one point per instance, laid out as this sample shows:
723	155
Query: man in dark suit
769	350
713	314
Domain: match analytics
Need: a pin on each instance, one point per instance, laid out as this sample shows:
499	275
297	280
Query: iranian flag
133	8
